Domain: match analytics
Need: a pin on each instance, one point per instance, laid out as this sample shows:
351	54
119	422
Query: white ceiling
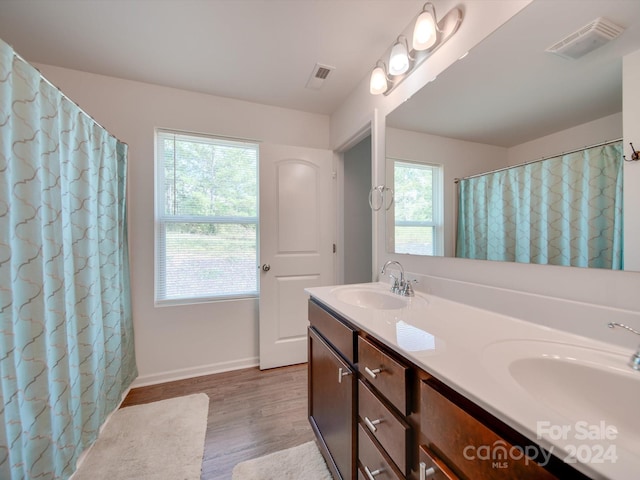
508	90
257	50
264	51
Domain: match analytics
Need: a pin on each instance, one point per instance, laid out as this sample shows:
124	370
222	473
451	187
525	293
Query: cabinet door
332	403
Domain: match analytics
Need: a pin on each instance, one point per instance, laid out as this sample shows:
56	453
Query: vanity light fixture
399	60
379	82
425	31
428	34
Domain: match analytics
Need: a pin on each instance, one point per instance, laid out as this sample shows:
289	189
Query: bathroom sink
371	298
588	388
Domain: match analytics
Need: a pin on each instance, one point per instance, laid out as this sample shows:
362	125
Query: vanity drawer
371	459
454	436
387	375
391	431
336	332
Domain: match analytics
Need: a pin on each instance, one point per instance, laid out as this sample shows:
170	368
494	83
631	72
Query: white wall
458	159
600	130
631	121
173	342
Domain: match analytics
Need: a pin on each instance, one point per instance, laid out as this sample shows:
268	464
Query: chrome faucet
400	286
634	361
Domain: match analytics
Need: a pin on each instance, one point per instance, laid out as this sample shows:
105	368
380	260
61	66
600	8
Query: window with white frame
417	208
206	225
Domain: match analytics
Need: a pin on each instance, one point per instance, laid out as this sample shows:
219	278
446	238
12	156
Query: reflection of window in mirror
418	228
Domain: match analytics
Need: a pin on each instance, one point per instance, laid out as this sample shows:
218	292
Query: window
206	218
417	208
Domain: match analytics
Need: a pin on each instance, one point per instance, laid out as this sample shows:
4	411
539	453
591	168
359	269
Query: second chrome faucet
634	361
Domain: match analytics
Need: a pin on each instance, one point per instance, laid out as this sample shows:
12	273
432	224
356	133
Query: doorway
356	214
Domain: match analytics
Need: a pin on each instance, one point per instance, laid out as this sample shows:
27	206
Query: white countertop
464	347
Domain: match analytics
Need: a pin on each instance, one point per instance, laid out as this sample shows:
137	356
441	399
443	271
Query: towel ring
377	205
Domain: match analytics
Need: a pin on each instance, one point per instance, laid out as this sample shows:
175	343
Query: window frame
162	219
437	201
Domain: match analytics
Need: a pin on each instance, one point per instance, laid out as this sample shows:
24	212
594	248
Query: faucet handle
406	289
395	286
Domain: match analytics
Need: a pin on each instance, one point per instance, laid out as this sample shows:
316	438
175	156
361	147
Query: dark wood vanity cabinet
379	417
332	391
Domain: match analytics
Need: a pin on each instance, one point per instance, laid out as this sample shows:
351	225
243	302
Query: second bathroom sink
591	389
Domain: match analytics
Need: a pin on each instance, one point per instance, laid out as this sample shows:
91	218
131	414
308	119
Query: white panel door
296	246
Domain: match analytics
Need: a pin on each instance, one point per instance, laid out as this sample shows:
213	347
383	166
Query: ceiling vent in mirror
318	76
586	39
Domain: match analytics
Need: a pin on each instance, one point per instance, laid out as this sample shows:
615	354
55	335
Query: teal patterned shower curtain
66	333
565	210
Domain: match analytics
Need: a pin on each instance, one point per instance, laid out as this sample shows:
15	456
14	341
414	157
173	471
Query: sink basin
590	393
586	387
371	298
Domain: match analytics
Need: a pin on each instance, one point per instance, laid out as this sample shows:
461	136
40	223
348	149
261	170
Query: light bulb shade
378	83
425	33
399	59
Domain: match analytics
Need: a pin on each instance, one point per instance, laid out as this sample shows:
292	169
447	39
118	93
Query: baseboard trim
183	373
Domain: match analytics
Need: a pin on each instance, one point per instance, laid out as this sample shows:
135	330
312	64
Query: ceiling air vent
319	75
586	39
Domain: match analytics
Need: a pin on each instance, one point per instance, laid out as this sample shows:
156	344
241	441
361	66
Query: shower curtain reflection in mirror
565	210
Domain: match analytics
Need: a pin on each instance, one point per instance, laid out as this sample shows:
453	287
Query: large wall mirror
506	103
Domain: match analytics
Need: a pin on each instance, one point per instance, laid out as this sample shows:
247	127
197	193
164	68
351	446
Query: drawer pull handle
341	374
372	424
371	474
426	473
373	373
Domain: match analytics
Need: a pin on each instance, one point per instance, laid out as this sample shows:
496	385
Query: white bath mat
297	463
156	441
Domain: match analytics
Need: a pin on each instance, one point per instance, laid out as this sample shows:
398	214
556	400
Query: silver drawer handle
342	374
372	424
426	473
371	474
373	373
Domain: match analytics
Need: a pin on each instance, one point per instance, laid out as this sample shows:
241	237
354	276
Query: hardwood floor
251	413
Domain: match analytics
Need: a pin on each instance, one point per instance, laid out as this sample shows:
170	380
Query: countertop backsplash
588	320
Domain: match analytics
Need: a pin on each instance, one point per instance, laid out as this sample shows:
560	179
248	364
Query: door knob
266	267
